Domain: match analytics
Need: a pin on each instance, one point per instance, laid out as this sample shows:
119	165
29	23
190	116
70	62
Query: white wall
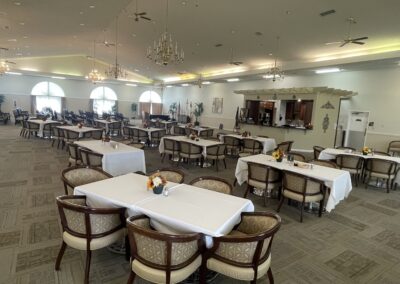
378	92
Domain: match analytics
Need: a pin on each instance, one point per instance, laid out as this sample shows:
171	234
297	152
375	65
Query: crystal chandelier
275	72
164	51
116	71
94	75
4	67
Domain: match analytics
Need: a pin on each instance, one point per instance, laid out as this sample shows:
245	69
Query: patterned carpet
357	243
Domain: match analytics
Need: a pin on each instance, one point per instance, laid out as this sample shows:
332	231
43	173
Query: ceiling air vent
218	45
327	13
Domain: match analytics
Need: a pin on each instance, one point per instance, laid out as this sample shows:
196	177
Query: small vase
279	160
365	154
158	189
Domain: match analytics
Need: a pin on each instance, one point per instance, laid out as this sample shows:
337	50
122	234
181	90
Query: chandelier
164	51
116	71
275	72
4	67
94	75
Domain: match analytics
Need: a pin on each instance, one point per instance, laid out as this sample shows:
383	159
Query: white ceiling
54	36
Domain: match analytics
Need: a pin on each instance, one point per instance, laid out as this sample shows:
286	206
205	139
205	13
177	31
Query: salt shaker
165	191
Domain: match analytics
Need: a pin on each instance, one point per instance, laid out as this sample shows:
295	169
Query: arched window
48	95
150	102
104	100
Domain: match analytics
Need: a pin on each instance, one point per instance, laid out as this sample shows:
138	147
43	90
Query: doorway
356	129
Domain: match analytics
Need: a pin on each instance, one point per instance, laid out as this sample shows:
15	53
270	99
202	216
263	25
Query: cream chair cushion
261	185
245	274
158	276
214	185
82	176
98	243
299	197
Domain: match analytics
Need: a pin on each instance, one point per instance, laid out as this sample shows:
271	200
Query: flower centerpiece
365	150
108	119
245	134
80	125
278	155
156	183
193	135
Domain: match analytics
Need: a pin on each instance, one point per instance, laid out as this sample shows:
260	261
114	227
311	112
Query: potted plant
198	110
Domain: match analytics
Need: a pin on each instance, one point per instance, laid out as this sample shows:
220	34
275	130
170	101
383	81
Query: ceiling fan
232	62
141	15
349	39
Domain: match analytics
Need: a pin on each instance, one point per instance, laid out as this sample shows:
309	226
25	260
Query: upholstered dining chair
317	150
47	130
24	128
88	229
97	134
33	128
232	144
302	189
143	136
380	169
80	175
58	135
74	155
172	175
162	258
285	146
213	183
70	136
297	156
250	146
262	177
179	130
90	158
323	163
156	136
171	148
216	153
115	128
245	253
189	152
394	148
350	163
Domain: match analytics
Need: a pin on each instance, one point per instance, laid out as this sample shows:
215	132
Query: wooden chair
380	169
115	128
172	175
159	257
80	175
317	151
296	156
216	153
97	134
213	183
324	163
250	147
47	130
245	253
86	228
156	136
285	146
74	155
262	177
189	152
58	135
232	144
70	136
33	129
394	148
24	128
90	158
171	148
143	136
350	163
302	189
179	130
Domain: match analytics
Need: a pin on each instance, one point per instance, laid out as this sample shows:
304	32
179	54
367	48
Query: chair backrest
171	145
80	175
90	158
73	151
97	134
349	161
381	166
85	222
297	156
142	134
216	151
257	232
114	125
301	184
101	125
69	134
158	134
203	133
190	149
162	251
324	163
56	132
252	146
285	146
213	183
210	132
179	130
172	175
231	141
381	153
33	126
317	151
262	173
394	146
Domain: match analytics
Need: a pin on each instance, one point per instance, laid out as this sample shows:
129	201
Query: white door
356	130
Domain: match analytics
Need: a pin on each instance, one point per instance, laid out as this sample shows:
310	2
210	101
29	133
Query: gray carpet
357	243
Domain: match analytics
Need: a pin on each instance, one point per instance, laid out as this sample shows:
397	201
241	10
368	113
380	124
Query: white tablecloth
75	128
106	122
330	154
148	130
269	144
202	142
118	158
186	209
42	124
337	180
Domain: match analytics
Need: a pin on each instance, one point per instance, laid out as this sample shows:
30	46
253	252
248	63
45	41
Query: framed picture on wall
217	105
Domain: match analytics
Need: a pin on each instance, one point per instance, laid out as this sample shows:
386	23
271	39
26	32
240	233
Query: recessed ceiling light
131	85
12	39
22	23
81	24
232	80
58	77
25	37
17	3
92	6
168	86
327	70
270	54
136	70
13	73
258	33
185	85
134	35
206	83
18	54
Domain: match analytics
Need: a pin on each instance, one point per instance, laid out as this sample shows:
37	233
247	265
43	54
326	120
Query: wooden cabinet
302	111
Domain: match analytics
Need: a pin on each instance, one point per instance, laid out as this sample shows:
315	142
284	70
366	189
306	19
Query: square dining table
338	181
75	128
186	209
269	144
42	123
118	158
204	143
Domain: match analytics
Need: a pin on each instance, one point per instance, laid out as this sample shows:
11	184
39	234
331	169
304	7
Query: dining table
42	123
81	130
338	181
118	158
105	122
149	130
204	143
186	208
269	144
